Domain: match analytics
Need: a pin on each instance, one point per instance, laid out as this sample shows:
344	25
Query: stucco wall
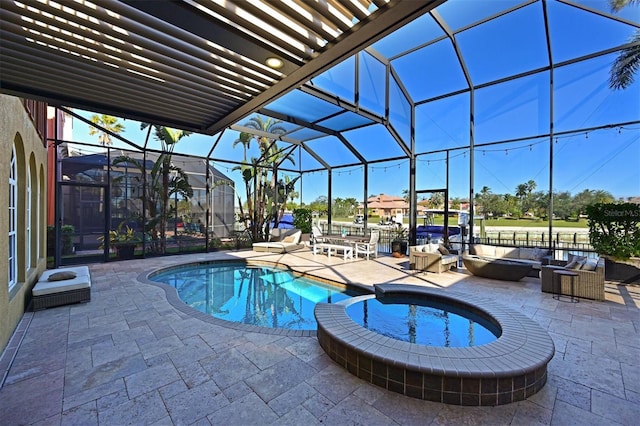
17	128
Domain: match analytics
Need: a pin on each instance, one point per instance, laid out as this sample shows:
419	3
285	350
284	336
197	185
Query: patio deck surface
130	357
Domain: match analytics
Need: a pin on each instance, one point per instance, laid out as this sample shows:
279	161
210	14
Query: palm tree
260	175
627	63
437	200
168	139
521	191
531	186
109	124
152	193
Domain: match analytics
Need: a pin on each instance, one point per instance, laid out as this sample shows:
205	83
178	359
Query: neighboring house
635	200
23	172
385	206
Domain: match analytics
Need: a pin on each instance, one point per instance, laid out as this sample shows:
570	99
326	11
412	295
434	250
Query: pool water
255	295
430	324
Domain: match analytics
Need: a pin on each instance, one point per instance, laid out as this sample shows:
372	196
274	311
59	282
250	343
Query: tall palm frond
617	5
626	65
108	124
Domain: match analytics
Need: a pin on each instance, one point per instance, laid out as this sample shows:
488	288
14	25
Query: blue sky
606	159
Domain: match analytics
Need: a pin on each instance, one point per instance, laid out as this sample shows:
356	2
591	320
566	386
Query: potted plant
399	243
124	241
614	233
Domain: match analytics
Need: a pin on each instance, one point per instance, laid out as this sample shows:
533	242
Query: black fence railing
560	247
562	243
537	238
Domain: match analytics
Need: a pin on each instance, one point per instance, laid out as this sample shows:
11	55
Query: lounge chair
280	241
316	235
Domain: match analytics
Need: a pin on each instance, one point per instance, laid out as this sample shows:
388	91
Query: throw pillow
571	265
443	250
538	254
527	253
61	276
575	257
576	263
589	265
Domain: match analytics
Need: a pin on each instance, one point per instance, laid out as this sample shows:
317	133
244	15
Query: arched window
13	220
28	227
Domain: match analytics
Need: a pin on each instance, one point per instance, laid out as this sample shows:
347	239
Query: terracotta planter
622	271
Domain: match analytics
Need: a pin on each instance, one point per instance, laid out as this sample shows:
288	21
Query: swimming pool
425	322
258	295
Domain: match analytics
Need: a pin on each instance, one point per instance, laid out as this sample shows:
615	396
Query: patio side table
557	284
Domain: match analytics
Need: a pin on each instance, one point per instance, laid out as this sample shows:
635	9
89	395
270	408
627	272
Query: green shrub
66	235
67	238
302	220
614	229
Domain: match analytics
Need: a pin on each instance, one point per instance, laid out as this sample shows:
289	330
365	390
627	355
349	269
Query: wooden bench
347	250
48	294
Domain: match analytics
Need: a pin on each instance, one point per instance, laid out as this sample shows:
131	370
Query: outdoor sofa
280	241
535	256
588	284
432	258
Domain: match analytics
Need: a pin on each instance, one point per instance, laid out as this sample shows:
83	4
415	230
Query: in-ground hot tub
511	368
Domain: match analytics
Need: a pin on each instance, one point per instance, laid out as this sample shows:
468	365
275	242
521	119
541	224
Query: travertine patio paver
131	357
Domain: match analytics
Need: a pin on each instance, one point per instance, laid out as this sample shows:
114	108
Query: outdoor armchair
370	248
432	258
588	284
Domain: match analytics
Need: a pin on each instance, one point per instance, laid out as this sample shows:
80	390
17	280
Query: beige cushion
289	239
80	271
484	250
433	248
48	287
62	275
508	252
